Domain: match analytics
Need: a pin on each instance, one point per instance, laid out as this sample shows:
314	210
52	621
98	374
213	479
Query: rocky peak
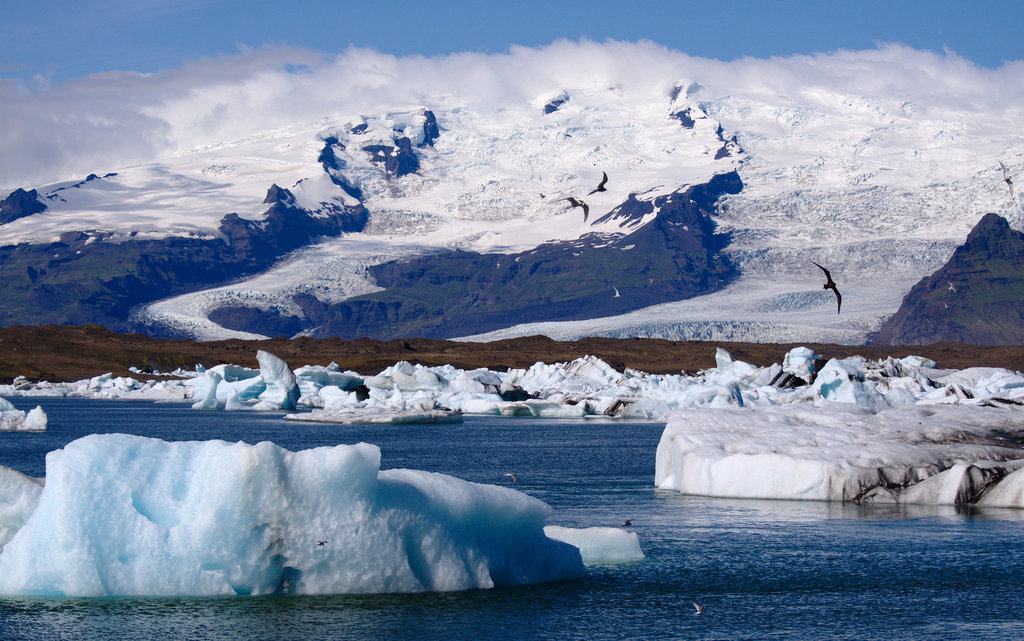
976	297
19	204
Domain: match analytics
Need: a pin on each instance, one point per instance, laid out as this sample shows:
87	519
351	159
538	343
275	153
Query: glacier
129	515
837	167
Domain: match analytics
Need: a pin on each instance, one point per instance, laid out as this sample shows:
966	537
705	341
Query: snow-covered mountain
875	164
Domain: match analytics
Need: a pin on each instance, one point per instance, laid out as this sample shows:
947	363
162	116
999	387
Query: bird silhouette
321	543
830	284
600	187
951	288
699	608
1007	179
513	476
579	203
627	523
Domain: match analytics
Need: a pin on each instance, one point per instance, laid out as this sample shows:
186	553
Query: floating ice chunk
127	515
282	391
35	420
377	416
918	361
14	420
844	381
840	451
332	397
313	378
599	544
799	362
209	398
19	495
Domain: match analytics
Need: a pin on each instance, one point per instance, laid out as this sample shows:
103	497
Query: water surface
763	569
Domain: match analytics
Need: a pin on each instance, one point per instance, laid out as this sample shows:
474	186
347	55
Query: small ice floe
599	545
15	420
377	416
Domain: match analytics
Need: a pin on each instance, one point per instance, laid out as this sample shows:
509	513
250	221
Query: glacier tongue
127	515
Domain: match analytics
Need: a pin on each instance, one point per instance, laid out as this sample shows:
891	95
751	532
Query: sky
51	41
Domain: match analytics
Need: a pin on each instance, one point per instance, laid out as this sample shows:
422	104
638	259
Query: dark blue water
763	569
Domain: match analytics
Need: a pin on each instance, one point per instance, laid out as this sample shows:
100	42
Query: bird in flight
699	608
1007	179
513	476
600	187
579	203
830	284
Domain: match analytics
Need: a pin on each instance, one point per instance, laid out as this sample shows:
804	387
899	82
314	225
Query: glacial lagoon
761	568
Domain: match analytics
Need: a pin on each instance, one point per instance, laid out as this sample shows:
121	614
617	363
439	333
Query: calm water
763	569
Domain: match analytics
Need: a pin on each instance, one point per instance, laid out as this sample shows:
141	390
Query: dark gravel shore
54	353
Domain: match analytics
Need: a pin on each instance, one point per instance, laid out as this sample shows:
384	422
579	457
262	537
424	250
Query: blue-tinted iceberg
127	515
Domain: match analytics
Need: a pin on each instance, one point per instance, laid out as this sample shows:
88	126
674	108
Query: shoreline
70	353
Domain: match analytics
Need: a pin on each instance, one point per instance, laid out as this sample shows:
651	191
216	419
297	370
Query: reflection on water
763	569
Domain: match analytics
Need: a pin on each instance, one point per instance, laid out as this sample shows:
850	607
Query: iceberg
282	392
14	420
128	515
19	495
376	416
938	454
600	545
584	387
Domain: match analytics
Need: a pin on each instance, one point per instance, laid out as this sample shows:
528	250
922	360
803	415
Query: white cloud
99	123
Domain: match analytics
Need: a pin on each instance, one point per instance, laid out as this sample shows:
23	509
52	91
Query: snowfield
861	161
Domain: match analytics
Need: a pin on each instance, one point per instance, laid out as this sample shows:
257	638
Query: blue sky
57	40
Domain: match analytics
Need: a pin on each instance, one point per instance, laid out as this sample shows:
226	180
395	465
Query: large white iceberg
127	515
934	454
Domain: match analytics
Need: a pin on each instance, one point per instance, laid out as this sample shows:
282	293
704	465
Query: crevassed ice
128	515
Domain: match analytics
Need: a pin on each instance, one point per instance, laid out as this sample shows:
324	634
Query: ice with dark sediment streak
931	454
128	515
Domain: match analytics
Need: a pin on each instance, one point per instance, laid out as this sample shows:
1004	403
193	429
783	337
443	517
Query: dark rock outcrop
431	132
976	297
398	160
19	204
675	256
555	104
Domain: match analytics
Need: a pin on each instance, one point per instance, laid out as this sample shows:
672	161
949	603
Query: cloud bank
106	121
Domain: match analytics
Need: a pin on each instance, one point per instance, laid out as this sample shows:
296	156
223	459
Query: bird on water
830	284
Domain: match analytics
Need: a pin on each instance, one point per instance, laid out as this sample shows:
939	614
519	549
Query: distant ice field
874	163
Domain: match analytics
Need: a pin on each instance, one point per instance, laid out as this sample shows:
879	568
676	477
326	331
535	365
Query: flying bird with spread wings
1008	180
600	187
579	203
830	284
